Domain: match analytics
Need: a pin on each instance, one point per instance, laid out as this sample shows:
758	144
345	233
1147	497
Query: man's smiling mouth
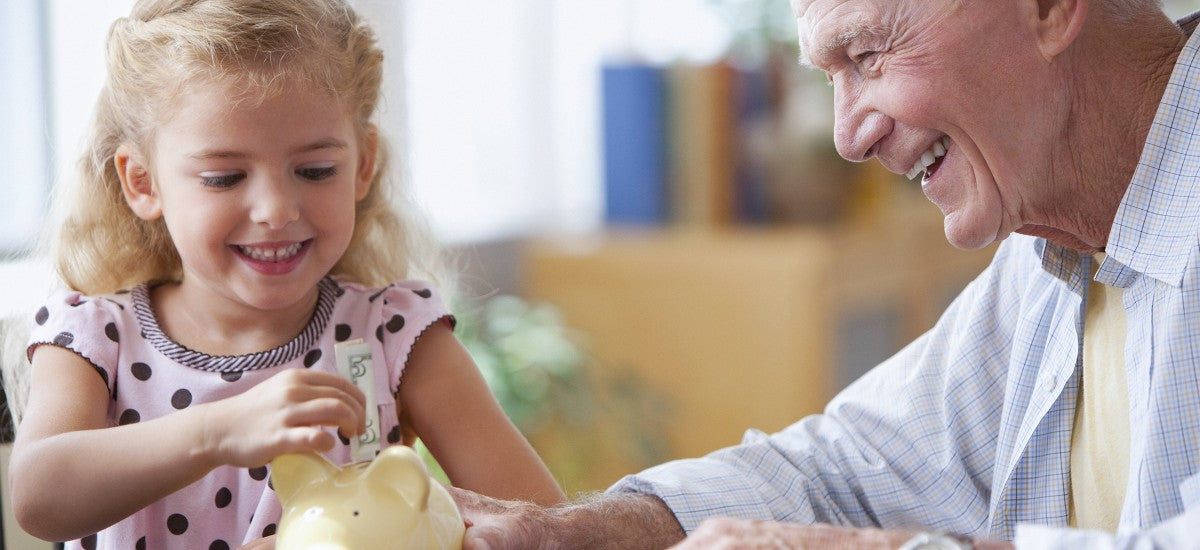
930	160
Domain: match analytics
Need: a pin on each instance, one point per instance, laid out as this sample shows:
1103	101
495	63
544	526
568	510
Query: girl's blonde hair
259	46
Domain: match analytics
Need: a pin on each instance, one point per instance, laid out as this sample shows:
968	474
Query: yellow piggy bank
389	503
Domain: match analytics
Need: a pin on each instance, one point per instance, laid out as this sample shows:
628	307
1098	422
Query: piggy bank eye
356	513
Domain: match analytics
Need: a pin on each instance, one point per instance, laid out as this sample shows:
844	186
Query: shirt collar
1155	229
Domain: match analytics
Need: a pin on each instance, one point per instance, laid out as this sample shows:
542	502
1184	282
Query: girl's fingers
327	411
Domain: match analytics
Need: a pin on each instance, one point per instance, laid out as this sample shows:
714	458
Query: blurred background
656	244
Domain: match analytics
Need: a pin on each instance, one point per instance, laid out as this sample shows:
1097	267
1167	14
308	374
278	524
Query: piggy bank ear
398	468
292	472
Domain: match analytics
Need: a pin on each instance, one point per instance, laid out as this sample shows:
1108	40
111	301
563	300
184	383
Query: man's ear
367	157
1059	24
136	183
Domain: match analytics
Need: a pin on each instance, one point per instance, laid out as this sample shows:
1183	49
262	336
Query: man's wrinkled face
936	89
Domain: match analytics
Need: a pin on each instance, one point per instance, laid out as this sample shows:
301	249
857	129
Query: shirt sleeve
407	310
83	325
912	443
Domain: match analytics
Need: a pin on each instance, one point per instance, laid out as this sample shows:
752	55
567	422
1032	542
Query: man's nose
275	202
857	128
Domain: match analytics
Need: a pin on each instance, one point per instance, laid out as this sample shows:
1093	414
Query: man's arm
617	521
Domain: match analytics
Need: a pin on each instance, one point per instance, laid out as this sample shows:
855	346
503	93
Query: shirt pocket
1189	491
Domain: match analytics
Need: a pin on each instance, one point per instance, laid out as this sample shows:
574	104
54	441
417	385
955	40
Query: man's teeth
936	151
270	254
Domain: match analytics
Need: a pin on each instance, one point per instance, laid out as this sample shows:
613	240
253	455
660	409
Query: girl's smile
276	258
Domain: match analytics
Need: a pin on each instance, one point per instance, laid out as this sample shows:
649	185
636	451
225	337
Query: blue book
635	144
754	114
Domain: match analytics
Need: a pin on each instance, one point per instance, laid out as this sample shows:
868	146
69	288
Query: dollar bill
354	364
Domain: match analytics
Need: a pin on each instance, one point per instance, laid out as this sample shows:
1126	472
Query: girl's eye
317	173
221	180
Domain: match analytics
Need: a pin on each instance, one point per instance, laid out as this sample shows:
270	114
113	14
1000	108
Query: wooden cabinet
746	328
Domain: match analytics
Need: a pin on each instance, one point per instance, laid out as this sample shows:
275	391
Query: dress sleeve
408	309
83	325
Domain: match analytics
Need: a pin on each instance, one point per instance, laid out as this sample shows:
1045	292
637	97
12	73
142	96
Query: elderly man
1056	404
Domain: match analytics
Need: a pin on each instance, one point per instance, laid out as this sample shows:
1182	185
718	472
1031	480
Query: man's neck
1116	93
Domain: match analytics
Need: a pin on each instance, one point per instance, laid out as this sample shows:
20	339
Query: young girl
233	187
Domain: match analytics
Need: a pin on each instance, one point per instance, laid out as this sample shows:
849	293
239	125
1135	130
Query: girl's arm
457	417
72	475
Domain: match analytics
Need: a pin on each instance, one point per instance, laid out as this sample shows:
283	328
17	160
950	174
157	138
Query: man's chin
968	236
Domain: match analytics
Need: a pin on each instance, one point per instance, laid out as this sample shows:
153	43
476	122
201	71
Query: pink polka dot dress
149	375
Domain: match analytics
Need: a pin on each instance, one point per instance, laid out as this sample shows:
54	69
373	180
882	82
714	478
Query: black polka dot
103	374
259	473
341	332
42	315
424	293
379	333
269	530
395	324
181	399
177	524
231	376
394	435
141	544
88	542
224	497
218	545
271	483
343	439
115	383
130	416
110	330
141	371
64	339
311	358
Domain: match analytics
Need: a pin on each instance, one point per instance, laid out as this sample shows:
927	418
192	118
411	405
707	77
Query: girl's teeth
271	254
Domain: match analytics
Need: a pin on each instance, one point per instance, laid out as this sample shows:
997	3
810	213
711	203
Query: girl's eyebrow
324	143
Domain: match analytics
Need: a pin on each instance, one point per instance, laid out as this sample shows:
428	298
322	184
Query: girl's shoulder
67	305
89	325
395	314
402	294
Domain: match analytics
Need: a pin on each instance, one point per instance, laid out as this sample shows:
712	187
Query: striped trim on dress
327	293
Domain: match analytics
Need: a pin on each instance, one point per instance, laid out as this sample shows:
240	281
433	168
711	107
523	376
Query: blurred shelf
746	328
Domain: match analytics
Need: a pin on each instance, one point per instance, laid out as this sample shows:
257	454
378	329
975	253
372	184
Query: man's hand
497	524
621	521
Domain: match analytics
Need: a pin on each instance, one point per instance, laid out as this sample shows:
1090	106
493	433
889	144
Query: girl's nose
276	202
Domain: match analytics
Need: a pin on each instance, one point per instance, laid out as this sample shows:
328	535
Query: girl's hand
282	415
267	543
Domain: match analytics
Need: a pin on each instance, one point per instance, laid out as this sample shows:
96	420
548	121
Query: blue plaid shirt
968	429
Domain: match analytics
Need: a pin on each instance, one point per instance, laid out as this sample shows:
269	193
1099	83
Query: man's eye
221	180
868	61
317	173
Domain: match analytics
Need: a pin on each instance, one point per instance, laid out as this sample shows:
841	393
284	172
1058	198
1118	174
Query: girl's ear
366	163
136	183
